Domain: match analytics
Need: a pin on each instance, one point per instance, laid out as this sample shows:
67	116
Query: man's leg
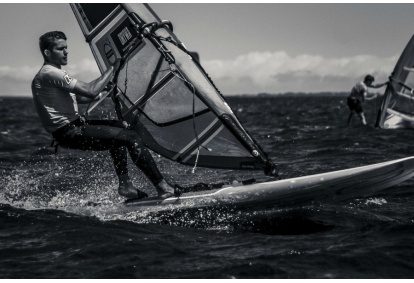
140	155
97	135
125	187
364	121
142	158
362	117
349	117
350	103
120	161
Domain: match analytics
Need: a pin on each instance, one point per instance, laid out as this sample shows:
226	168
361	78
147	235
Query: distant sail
165	93
397	107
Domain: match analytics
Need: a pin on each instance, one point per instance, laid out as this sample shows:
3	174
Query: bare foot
164	190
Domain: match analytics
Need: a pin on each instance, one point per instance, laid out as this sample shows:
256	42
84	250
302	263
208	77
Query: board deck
331	187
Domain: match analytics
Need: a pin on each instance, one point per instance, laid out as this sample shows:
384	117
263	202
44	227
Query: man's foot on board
130	192
165	190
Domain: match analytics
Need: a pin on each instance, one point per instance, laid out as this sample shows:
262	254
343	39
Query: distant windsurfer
56	96
359	94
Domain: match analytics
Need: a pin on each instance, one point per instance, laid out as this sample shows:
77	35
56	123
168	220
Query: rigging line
196	161
126	85
126	78
194	125
193	110
195	132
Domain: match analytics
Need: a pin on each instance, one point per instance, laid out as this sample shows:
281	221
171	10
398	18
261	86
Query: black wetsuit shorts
355	105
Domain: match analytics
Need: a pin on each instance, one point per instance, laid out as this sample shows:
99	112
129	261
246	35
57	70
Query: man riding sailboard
163	98
56	96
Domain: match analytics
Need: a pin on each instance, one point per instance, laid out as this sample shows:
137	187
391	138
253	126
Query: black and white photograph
206	140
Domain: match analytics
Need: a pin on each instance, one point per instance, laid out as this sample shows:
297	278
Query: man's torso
359	91
55	104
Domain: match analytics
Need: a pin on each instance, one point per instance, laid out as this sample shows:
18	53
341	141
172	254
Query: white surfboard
331	187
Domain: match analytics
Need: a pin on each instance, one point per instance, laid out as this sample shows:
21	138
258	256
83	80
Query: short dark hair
46	41
369	78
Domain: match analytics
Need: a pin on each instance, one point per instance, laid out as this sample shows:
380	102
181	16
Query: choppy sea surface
48	228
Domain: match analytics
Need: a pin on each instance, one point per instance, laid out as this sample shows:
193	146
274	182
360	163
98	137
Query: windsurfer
359	94
56	96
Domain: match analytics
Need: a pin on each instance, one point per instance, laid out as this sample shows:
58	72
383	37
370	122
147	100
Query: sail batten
409	96
406	117
163	93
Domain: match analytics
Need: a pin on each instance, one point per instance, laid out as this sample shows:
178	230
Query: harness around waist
63	130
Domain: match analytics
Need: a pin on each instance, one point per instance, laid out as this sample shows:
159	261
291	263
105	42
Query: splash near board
331	187
396	110
164	93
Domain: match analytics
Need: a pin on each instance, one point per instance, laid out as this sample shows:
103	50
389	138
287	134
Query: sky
246	48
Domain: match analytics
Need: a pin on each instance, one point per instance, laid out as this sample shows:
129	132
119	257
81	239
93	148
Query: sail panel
398	96
175	107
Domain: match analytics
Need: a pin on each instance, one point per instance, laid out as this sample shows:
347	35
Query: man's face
369	82
58	55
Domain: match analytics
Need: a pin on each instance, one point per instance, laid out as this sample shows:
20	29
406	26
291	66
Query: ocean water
49	229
